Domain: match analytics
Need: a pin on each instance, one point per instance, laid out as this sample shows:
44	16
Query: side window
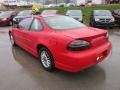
36	25
25	24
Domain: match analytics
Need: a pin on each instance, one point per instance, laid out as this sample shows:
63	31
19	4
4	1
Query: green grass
86	10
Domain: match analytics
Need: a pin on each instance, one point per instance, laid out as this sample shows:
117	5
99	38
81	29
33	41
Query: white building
15	2
10	2
79	2
98	1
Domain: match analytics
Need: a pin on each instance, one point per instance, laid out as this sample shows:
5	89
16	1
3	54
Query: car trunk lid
93	35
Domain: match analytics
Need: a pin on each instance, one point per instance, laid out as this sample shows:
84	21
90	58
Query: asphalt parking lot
21	71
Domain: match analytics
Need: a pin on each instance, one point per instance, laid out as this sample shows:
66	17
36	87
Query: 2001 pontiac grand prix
61	42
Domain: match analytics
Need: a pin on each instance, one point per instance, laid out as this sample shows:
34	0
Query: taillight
77	45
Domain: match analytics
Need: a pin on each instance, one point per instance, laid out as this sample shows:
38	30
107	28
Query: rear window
62	22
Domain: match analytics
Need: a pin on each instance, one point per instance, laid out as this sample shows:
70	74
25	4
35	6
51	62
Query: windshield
102	13
24	13
74	13
62	22
5	14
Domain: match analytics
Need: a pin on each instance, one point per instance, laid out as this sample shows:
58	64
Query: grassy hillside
86	10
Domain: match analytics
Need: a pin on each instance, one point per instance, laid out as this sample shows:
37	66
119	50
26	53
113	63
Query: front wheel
12	40
46	59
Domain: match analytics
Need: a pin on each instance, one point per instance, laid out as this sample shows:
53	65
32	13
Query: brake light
77	45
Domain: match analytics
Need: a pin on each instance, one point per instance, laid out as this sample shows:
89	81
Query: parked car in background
102	18
112	1
49	12
6	17
61	4
61	42
76	14
21	15
70	4
51	5
116	14
0	11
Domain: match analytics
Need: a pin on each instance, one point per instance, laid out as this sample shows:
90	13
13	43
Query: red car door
32	36
21	32
18	35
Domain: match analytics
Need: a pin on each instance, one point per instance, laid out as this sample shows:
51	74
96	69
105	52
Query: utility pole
43	3
56	2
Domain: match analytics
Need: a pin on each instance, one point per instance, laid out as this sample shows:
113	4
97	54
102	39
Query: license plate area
102	55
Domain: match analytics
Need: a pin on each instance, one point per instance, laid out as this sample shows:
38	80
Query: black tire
12	40
110	27
51	66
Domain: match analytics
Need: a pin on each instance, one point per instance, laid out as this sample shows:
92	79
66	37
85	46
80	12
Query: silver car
76	14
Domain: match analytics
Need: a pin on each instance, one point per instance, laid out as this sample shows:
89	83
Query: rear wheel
46	59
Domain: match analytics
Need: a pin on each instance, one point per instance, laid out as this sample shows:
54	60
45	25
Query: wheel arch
9	32
40	46
51	55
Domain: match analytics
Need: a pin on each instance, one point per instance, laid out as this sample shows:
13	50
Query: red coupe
61	42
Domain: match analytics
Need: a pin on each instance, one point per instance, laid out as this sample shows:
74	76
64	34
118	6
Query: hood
104	17
82	32
76	17
80	18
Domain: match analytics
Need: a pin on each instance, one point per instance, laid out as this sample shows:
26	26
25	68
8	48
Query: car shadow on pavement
31	66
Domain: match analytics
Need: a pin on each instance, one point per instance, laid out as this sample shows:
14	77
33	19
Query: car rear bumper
77	61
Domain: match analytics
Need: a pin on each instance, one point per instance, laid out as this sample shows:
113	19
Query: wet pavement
21	71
